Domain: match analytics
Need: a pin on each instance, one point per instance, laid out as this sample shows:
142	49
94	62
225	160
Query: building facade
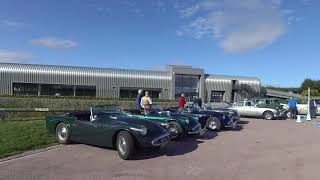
29	79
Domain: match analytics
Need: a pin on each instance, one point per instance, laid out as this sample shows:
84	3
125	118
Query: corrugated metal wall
224	83
107	81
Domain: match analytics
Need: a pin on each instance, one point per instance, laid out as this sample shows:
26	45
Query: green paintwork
187	122
103	131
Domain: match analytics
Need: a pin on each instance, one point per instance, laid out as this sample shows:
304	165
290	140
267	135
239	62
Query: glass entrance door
187	84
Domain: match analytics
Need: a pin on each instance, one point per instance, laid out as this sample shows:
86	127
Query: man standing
146	102
138	100
313	108
181	101
293	107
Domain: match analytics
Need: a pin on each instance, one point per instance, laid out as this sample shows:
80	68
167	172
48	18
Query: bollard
299	119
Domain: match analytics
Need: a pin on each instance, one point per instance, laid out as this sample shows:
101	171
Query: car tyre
125	145
63	133
213	124
288	114
268	115
175	130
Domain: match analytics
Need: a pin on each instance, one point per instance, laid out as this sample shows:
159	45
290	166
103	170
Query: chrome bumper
232	124
164	139
200	132
280	115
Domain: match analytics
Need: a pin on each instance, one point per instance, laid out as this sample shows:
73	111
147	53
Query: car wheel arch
115	135
267	111
177	121
61	121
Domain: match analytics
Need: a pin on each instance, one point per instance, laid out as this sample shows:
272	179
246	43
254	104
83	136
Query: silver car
248	108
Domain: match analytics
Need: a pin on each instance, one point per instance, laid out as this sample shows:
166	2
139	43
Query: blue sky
275	40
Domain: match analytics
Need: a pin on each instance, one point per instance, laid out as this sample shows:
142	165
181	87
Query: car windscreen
107	108
156	107
107	111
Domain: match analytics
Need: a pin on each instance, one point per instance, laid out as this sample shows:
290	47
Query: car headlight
186	119
166	125
143	131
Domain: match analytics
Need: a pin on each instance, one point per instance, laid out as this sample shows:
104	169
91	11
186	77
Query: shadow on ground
176	147
243	122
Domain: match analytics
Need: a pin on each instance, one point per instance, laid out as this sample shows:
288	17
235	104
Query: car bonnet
136	122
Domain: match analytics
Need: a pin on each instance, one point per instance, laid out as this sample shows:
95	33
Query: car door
250	108
91	132
240	108
81	130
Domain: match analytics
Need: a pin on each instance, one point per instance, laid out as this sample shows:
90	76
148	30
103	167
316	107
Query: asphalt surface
259	150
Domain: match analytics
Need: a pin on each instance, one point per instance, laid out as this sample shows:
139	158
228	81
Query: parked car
248	108
108	126
273	103
302	106
217	105
179	125
213	119
270	102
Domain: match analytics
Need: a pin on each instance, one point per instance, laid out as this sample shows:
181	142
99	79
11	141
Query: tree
308	83
313	93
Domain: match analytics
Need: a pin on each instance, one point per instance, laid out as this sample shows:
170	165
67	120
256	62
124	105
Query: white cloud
237	25
11	23
53	42
13	56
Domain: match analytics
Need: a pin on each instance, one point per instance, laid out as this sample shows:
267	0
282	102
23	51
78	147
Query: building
29	79
272	93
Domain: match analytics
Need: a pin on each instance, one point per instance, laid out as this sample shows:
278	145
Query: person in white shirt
146	102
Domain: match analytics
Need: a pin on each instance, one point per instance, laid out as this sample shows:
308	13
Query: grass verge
22	135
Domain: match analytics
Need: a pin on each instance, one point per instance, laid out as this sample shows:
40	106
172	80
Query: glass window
240	103
248	103
57	90
217	96
187	84
86	91
25	89
133	92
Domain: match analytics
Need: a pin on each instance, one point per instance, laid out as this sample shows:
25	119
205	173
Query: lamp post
308	115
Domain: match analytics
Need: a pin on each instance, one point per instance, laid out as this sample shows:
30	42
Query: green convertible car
108	126
179	125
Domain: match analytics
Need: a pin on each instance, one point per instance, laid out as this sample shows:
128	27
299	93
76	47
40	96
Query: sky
274	40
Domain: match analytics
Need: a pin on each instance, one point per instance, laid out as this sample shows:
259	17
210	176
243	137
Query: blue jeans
293	111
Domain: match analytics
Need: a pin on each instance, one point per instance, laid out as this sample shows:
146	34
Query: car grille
235	116
161	140
197	128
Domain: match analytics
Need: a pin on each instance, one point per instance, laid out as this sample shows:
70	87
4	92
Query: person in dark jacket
313	108
138	100
181	101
